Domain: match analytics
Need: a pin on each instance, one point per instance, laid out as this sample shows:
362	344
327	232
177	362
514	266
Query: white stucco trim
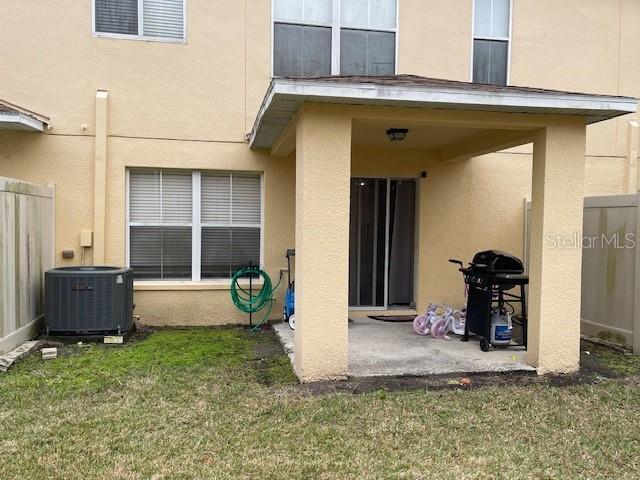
285	95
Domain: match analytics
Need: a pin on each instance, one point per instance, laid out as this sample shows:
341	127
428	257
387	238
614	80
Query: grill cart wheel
484	344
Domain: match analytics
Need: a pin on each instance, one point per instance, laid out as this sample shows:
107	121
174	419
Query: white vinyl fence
26	252
610	268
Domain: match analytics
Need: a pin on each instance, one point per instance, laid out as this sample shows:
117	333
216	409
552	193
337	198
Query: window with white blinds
327	37
146	19
193	225
230	222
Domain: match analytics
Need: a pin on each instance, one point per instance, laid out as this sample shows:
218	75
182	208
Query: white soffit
16	118
285	96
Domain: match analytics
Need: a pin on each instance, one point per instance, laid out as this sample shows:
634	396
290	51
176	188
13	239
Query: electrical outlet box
86	238
68	254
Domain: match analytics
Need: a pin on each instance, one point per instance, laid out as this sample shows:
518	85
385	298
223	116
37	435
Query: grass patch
619	363
95	367
188	404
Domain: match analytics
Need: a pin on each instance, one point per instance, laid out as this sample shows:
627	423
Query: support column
556	247
323	169
100	177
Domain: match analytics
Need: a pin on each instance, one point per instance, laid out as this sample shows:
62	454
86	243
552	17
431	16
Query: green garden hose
249	301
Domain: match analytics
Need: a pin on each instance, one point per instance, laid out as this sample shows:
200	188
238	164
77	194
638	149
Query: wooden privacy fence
26	252
610	268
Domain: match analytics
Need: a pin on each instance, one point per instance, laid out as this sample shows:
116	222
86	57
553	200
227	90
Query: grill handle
457	262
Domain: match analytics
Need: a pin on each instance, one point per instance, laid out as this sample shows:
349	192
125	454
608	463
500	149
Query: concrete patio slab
379	348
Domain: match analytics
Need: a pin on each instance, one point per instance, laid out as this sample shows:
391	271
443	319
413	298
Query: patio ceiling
285	96
13	117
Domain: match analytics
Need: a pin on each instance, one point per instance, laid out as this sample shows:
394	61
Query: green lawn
222	403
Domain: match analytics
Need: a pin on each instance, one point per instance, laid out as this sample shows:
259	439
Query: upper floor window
491	38
331	37
144	19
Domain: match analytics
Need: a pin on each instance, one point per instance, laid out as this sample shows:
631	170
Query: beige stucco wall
190	105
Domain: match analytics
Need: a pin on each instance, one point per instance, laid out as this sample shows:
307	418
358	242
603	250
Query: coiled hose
249	301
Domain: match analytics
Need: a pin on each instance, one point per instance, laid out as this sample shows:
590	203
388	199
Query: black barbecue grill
490	277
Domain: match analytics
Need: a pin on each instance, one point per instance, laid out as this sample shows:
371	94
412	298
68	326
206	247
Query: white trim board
285	96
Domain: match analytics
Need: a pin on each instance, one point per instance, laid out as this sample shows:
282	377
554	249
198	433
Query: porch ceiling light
397	134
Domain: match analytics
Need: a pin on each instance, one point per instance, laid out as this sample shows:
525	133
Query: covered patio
334	126
378	348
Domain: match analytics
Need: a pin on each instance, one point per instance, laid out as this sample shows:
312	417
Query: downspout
100	177
632	171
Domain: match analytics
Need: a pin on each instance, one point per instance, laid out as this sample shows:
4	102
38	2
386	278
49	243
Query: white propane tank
501	328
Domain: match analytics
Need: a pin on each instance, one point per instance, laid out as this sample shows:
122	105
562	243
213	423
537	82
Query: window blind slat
216	198
245	247
145	250
216	252
176	252
245	202
176	198
116	16
163	18
144	197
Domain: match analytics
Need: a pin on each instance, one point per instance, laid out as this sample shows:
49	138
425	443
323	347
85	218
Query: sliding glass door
381	243
367	242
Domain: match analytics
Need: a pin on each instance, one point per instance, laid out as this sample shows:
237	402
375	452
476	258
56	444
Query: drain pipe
632	171
100	177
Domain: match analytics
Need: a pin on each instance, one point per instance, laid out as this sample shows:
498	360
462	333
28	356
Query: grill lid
496	261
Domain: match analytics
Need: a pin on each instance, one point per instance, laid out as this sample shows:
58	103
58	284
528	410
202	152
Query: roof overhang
17	118
285	96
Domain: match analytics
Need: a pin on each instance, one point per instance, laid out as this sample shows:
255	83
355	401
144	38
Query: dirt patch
269	361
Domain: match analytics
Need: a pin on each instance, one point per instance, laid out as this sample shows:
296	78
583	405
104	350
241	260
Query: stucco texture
323	166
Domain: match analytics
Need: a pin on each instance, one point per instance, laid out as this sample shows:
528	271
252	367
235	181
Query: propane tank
501	328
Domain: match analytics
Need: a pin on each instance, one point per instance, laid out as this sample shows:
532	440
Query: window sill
139	38
187	285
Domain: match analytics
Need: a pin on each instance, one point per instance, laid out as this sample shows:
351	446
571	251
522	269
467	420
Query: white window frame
500	39
335	26
196	223
140	36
